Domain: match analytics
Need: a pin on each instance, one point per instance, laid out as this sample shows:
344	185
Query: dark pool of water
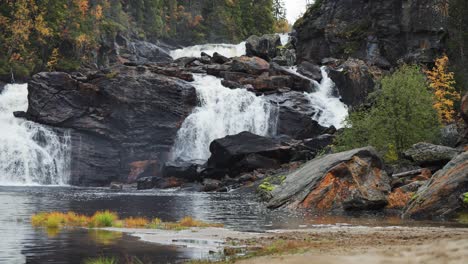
21	243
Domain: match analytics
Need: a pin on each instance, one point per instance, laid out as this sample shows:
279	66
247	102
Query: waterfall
228	50
30	154
330	111
222	111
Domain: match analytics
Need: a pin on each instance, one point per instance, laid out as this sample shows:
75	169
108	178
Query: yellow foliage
98	12
53	60
282	26
83	6
443	84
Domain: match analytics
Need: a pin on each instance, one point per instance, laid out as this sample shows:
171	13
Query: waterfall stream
330	111
222	112
30	154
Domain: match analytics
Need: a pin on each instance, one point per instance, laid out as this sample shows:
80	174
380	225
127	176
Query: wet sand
331	244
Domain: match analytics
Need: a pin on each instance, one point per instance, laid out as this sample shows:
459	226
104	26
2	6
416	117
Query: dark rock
450	135
295	116
185	61
115	119
149	52
430	154
231	84
439	197
286	57
177	72
95	160
331	62
216	69
412	187
320	142
381	32
264	47
20	114
352	180
182	170
464	108
228	151
310	70
250	65
246	152
218	58
300	83
354	81
147	183
211	185
2	86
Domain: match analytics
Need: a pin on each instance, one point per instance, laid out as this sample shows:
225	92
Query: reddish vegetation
398	199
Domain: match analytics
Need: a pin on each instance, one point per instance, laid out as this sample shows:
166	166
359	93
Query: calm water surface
21	243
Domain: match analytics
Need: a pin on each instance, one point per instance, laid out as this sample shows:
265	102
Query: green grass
101	260
104	219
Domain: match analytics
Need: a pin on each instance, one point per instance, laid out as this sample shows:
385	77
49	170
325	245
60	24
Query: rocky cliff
122	122
381	32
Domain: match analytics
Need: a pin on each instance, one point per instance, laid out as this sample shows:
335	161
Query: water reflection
21	243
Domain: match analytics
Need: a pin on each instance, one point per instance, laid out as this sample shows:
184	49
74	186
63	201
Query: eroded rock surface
352	180
442	195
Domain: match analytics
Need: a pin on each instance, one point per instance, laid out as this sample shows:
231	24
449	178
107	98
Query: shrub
401	116
137	222
104	219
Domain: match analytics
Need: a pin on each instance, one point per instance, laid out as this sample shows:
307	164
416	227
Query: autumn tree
442	82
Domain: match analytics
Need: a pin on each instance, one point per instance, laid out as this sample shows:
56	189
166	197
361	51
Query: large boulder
115	119
442	195
246	152
352	180
354	81
429	154
250	65
380	31
264	47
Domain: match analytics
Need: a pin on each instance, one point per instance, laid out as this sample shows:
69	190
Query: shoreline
336	244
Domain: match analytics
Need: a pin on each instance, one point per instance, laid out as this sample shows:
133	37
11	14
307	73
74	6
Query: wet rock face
354	81
264	47
441	196
380	32
352	180
117	118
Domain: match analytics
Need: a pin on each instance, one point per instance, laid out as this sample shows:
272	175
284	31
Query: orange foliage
398	199
442	82
83	6
138	222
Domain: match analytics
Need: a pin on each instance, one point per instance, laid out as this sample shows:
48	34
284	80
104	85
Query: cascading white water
228	50
222	112
330	111
30	154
